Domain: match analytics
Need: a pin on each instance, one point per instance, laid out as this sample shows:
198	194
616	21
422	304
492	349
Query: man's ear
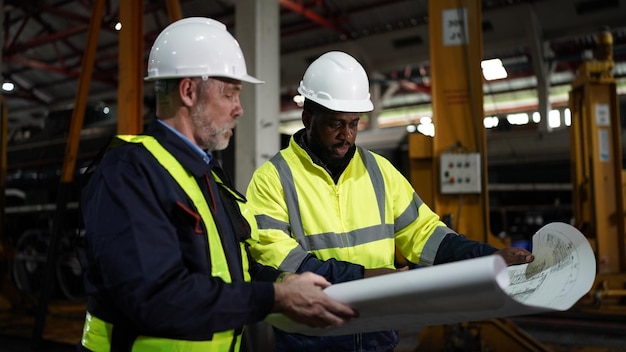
187	89
307	118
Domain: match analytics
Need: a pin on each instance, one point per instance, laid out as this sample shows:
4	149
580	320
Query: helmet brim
250	79
244	78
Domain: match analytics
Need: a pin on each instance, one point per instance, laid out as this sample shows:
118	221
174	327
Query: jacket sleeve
335	271
260	272
276	247
457	247
418	231
143	262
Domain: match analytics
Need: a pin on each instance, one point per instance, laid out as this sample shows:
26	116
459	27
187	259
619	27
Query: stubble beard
210	136
325	153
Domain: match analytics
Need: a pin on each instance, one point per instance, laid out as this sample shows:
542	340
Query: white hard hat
197	47
338	82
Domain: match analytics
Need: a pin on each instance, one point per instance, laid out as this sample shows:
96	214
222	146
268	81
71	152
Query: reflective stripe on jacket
97	333
97	337
362	219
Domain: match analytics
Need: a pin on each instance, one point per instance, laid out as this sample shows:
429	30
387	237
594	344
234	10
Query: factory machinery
455	160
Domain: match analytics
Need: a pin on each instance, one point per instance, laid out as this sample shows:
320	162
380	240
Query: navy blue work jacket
148	265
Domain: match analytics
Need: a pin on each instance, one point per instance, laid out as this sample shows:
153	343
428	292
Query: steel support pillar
257	28
257	25
543	70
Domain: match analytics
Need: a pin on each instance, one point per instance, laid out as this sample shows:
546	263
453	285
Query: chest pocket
188	217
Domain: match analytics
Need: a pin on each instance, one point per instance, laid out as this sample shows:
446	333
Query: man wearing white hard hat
167	267
325	205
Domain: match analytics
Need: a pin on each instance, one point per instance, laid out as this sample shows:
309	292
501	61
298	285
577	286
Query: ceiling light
493	69
8	86
536	117
426	129
567	117
517	118
491	121
554	118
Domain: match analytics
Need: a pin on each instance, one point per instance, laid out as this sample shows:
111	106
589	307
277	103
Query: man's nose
347	131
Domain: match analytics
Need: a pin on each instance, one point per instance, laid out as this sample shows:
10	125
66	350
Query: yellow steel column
80	105
131	69
457	101
596	156
174	13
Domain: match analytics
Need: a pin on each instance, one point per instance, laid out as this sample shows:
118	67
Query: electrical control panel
460	173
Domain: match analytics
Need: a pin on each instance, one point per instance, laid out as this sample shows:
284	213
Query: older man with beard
167	267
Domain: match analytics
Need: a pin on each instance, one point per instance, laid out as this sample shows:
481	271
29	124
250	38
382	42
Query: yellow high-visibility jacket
361	219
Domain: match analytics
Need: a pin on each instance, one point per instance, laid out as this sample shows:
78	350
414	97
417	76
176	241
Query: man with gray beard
167	235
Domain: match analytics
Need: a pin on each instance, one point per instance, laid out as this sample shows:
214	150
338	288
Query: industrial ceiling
44	43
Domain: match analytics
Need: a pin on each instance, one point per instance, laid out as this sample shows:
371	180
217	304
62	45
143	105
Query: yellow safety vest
97	333
362	219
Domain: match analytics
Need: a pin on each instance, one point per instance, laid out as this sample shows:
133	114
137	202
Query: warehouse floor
574	331
64	323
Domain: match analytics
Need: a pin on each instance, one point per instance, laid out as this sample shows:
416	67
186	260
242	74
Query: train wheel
30	259
69	271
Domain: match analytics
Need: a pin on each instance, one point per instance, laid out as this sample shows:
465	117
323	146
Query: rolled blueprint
562	273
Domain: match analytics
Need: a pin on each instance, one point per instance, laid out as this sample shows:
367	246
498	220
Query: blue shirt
206	155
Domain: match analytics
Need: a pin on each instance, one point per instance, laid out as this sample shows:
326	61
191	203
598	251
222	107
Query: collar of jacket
333	170
189	158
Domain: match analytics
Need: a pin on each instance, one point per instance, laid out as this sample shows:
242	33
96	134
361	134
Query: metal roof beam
313	16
